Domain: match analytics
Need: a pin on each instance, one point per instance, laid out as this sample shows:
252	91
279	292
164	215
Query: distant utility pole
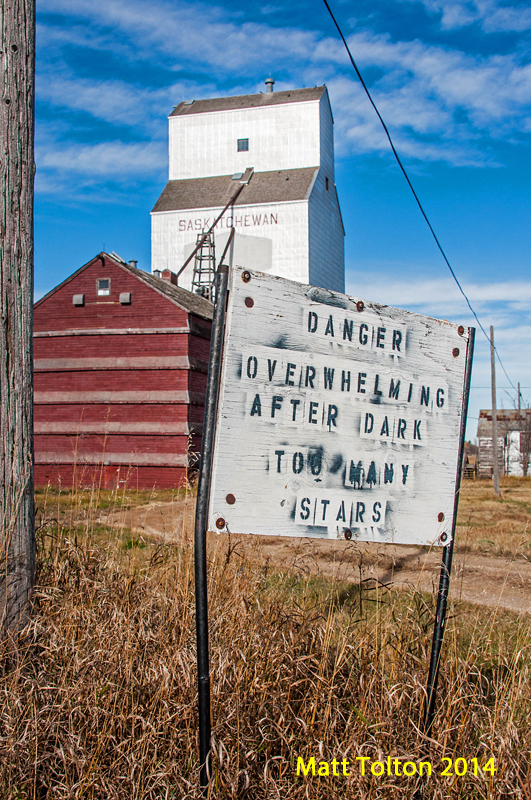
495	465
17	115
519	403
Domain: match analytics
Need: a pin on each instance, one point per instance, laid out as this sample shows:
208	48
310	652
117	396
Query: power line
415	195
505	371
501	388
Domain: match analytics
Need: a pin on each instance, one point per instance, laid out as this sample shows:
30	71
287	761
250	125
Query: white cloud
491	15
200	32
422	90
270	9
442	291
112	159
69	170
114	101
111	101
494	91
52	36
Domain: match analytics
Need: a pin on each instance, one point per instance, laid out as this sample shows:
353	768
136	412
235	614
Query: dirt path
485	580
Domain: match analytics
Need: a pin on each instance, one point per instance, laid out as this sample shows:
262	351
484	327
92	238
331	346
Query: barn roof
261	100
187	300
509	419
182	297
278	186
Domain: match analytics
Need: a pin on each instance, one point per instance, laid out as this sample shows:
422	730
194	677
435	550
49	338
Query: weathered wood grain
17	540
337	417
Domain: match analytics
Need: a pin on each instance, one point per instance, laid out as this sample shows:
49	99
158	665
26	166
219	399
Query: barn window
326	181
103	286
243	145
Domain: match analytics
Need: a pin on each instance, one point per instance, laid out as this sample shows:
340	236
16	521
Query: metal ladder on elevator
204	266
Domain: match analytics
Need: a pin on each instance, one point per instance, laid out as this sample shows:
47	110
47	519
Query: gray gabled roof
187	300
261	100
278	186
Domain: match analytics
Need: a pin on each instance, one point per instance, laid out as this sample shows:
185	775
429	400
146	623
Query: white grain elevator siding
287	220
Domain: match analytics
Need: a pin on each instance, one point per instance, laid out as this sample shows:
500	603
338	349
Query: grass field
101	700
495	525
486	524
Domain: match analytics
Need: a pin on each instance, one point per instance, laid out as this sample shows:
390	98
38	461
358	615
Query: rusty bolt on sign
230	499
360	305
249	302
220	523
246	276
455	352
347	534
440	516
444	537
460	330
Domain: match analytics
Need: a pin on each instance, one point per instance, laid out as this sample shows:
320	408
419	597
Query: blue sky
452	79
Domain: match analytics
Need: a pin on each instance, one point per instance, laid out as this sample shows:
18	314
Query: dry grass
495	525
51	499
101	702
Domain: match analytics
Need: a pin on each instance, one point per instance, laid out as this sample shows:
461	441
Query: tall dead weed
101	701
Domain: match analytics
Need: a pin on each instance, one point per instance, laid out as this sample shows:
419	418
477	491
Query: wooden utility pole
519	398
495	464
17	115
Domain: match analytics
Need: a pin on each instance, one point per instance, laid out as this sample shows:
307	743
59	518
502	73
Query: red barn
121	360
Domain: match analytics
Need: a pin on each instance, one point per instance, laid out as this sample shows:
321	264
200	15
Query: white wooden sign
337	418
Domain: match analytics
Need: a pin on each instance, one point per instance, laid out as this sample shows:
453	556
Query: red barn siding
88	448
119	389
73	417
148	309
92	381
83	475
129	345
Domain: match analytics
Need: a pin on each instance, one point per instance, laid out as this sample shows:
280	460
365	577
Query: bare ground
489	580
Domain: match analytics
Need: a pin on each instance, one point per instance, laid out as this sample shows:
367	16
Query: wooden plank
104	427
87	475
111	362
101	346
118	362
337	417
163	380
86	397
163	413
107	332
115	441
108	457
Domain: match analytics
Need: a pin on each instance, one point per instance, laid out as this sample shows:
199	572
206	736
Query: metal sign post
446	569
342	419
201	515
448	551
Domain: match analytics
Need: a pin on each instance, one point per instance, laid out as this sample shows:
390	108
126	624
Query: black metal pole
444	581
201	522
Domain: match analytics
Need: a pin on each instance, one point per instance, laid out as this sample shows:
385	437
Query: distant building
470	460
514	442
287	219
120	366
